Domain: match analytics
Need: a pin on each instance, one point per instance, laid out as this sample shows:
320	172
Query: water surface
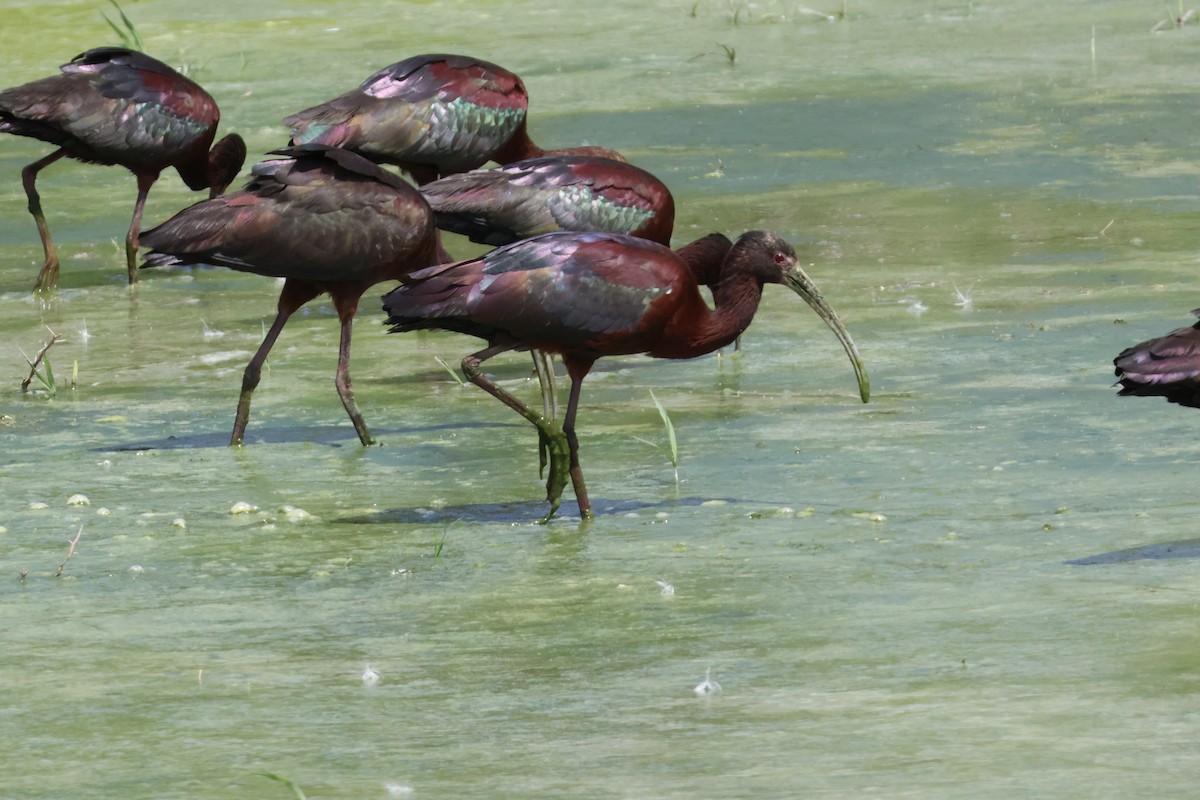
996	197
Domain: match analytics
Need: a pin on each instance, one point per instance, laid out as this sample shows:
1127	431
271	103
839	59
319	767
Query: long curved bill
799	282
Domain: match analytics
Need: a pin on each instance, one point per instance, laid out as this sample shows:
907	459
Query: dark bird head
771	259
224	163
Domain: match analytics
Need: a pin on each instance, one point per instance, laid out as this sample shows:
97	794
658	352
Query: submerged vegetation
40	369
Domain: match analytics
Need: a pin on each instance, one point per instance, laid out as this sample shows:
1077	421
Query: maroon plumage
553	193
326	220
117	106
1168	366
589	295
430	115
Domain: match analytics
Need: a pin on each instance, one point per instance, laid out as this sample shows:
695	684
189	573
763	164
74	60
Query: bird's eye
780	258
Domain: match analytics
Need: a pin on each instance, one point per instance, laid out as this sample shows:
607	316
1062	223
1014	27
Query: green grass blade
124	37
129	36
137	37
447	367
296	791
48	381
662	412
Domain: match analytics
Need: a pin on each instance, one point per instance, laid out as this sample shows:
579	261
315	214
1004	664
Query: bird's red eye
780	258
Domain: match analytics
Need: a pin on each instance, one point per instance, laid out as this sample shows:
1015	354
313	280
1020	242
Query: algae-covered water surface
996	197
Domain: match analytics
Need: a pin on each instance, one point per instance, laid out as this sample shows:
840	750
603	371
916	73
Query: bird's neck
705	257
701	330
196	165
194	170
518	148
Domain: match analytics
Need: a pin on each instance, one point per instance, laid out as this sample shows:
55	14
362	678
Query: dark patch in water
524	512
1185	548
328	435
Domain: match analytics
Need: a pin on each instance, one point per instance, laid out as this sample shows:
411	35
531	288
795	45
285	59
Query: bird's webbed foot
553	448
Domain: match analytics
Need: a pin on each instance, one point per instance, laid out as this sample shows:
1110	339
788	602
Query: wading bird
589	295
430	115
117	106
325	220
1168	366
553	193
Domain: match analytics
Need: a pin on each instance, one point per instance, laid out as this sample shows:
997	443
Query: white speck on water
242	507
370	676
208	359
78	500
179	522
398	789
137	569
915	306
210	332
962	299
708	685
38	506
3	530
103	512
106	463
667	589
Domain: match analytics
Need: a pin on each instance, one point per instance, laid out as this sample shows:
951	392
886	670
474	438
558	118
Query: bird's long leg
48	277
550	433
346	309
578	370
293	296
543	366
144	183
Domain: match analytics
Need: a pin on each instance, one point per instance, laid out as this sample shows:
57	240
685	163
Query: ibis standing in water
431	115
111	106
589	295
325	220
553	193
1168	366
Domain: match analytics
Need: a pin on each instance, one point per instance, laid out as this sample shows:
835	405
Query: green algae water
996	197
